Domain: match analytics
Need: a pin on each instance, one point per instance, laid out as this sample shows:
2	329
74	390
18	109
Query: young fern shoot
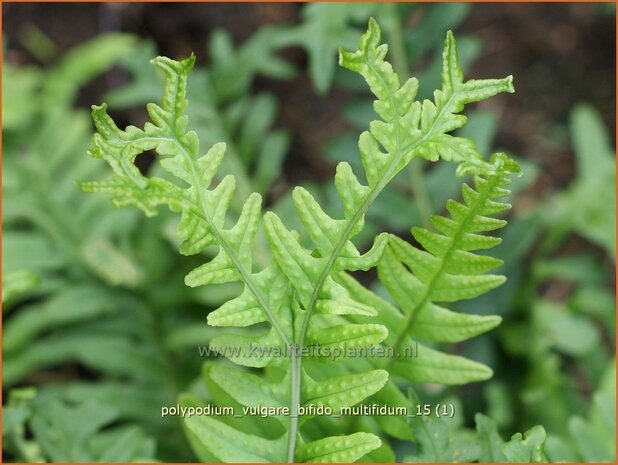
298	294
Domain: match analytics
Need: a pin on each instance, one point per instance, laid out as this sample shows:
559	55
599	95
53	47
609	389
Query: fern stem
483	197
246	276
297	365
294	359
295	381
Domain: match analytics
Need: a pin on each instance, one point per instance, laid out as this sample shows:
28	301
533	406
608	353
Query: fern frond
447	271
268	295
406	129
297	295
203	210
419	279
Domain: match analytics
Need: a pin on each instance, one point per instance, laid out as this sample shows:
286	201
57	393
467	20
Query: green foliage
98	319
591	439
324	29
69	433
223	109
51	235
202	224
447	271
296	294
526	448
17	283
583	208
19	85
74	297
415	128
429	188
560	316
413	296
444	439
42	225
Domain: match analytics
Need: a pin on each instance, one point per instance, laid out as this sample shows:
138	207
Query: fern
267	294
583	207
447	271
413	128
444	439
296	294
223	108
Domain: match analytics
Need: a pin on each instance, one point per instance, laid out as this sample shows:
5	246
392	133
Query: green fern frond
447	271
297	294
268	295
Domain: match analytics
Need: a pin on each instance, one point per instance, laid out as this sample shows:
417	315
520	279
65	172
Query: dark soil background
559	54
